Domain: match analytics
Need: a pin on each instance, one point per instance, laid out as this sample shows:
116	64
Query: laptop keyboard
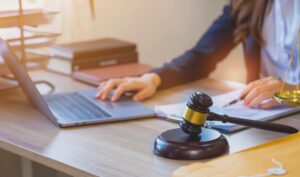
74	106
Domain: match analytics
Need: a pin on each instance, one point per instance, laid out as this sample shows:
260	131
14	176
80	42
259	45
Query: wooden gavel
197	113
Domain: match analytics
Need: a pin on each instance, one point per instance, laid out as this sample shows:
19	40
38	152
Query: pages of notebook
175	111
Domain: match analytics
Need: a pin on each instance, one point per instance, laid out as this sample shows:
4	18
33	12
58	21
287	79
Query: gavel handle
253	123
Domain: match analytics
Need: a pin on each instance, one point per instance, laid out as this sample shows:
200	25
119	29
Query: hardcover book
88	49
96	75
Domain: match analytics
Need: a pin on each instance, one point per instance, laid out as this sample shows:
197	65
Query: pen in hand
234	101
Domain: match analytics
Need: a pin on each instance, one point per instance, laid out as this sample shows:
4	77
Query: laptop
72	109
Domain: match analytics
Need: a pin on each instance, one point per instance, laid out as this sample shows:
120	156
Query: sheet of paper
238	110
173	111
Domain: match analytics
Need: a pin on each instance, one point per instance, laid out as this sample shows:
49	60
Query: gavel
193	141
197	113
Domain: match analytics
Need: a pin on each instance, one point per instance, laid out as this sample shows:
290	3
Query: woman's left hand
264	89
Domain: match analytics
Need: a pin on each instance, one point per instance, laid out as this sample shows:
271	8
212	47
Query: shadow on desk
12	165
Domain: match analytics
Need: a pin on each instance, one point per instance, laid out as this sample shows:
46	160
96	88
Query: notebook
238	110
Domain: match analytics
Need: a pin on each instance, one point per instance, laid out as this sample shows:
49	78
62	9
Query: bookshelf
20	27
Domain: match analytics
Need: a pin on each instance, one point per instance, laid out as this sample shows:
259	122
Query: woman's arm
198	62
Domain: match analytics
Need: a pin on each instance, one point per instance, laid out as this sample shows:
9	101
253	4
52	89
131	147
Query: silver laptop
71	109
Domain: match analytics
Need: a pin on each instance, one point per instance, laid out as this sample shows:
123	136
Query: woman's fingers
107	88
121	86
145	86
259	91
256	84
269	104
251	86
260	98
144	94
256	92
125	87
101	85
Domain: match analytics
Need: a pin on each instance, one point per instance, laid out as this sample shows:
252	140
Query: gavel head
196	112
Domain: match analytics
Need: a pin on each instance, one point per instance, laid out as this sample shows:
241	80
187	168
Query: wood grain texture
250	162
105	150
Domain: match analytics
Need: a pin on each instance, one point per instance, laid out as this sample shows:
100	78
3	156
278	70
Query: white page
173	111
237	110
240	111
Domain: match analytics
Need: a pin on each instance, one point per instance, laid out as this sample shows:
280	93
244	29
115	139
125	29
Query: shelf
32	64
32	43
13	34
33	36
30	18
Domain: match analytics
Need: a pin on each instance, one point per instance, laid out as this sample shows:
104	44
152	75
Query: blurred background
162	29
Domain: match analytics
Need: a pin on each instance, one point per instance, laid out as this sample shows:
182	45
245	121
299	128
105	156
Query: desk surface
106	150
250	162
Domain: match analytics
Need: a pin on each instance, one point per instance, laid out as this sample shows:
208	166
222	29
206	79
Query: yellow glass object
291	97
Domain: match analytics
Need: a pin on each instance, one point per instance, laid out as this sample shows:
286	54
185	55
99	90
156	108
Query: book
96	75
103	61
238	110
88	49
66	66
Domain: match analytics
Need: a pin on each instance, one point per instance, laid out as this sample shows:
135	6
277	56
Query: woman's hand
264	89
145	86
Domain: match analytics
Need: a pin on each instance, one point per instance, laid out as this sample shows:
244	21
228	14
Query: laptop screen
24	80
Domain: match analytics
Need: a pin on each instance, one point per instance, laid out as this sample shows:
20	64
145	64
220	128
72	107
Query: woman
266	28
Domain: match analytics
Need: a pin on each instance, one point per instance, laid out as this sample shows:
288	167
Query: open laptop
71	109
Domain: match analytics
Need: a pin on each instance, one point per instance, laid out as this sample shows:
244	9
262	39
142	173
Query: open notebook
175	111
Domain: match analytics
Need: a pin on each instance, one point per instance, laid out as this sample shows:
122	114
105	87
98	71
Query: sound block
175	144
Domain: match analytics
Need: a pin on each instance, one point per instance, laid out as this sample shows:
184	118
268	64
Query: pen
233	102
170	118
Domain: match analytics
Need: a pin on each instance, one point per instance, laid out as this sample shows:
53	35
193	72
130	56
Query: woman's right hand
145	86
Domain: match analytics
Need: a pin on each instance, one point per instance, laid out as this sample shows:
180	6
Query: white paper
237	110
241	111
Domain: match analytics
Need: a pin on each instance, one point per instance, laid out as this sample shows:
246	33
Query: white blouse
280	30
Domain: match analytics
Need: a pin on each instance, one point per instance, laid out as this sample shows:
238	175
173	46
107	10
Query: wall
162	29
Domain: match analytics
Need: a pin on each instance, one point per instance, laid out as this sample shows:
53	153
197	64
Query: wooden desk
106	150
250	162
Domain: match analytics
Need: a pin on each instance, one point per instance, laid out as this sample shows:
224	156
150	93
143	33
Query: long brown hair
249	17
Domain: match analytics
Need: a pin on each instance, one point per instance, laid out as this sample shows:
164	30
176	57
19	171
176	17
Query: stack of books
68	58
